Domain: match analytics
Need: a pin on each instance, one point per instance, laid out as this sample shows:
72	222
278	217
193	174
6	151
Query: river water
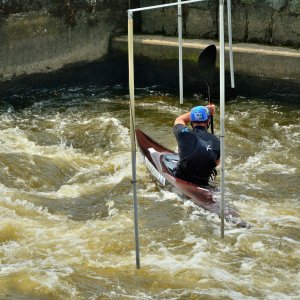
66	218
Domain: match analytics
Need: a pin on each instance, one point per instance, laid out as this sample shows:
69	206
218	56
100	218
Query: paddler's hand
212	109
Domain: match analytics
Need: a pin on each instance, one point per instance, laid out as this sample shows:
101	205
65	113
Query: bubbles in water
66	220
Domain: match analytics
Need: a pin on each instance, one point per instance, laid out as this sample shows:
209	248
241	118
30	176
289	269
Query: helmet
199	114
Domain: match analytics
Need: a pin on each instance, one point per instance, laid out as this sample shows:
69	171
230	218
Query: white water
66	218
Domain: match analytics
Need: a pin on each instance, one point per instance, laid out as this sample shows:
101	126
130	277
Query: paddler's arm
183	119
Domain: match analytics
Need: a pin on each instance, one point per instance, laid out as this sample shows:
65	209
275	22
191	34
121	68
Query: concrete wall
260	70
273	22
43	36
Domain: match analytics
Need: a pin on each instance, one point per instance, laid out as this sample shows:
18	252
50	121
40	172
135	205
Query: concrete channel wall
44	36
264	71
40	37
272	22
252	59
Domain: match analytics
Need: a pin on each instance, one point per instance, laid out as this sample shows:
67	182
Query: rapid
66	209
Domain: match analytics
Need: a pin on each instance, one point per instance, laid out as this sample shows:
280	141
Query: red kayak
161	162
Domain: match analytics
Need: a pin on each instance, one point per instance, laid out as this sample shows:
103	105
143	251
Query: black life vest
200	164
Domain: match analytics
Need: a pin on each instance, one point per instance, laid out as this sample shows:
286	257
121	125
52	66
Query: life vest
200	164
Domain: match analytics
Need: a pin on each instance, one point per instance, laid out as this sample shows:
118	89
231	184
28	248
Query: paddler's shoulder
180	129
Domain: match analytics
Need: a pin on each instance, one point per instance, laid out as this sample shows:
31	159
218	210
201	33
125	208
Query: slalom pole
180	52
230	44
132	136
222	110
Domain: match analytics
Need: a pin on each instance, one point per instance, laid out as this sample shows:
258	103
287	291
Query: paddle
206	63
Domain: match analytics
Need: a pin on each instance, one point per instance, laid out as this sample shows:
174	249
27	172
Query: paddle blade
207	63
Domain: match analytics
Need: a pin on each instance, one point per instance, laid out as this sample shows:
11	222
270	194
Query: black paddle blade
207	63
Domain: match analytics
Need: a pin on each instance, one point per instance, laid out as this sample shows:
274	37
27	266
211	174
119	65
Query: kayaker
199	150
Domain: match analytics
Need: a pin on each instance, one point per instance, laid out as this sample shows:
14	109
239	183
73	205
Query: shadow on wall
113	69
109	70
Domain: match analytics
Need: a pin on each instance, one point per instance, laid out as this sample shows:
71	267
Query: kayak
162	162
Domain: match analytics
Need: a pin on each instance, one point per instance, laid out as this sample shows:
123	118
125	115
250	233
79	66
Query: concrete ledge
249	59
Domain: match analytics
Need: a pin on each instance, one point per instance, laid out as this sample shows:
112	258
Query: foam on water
69	235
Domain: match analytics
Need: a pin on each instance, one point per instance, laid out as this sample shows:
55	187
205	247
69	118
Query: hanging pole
222	110
132	136
230	44
180	52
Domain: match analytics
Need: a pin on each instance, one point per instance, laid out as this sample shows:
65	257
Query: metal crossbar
163	5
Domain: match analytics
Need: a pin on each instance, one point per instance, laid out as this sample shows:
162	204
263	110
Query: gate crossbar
163	5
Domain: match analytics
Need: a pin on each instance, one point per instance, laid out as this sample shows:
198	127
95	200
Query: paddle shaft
212	117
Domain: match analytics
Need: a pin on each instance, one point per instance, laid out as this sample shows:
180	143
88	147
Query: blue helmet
199	114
